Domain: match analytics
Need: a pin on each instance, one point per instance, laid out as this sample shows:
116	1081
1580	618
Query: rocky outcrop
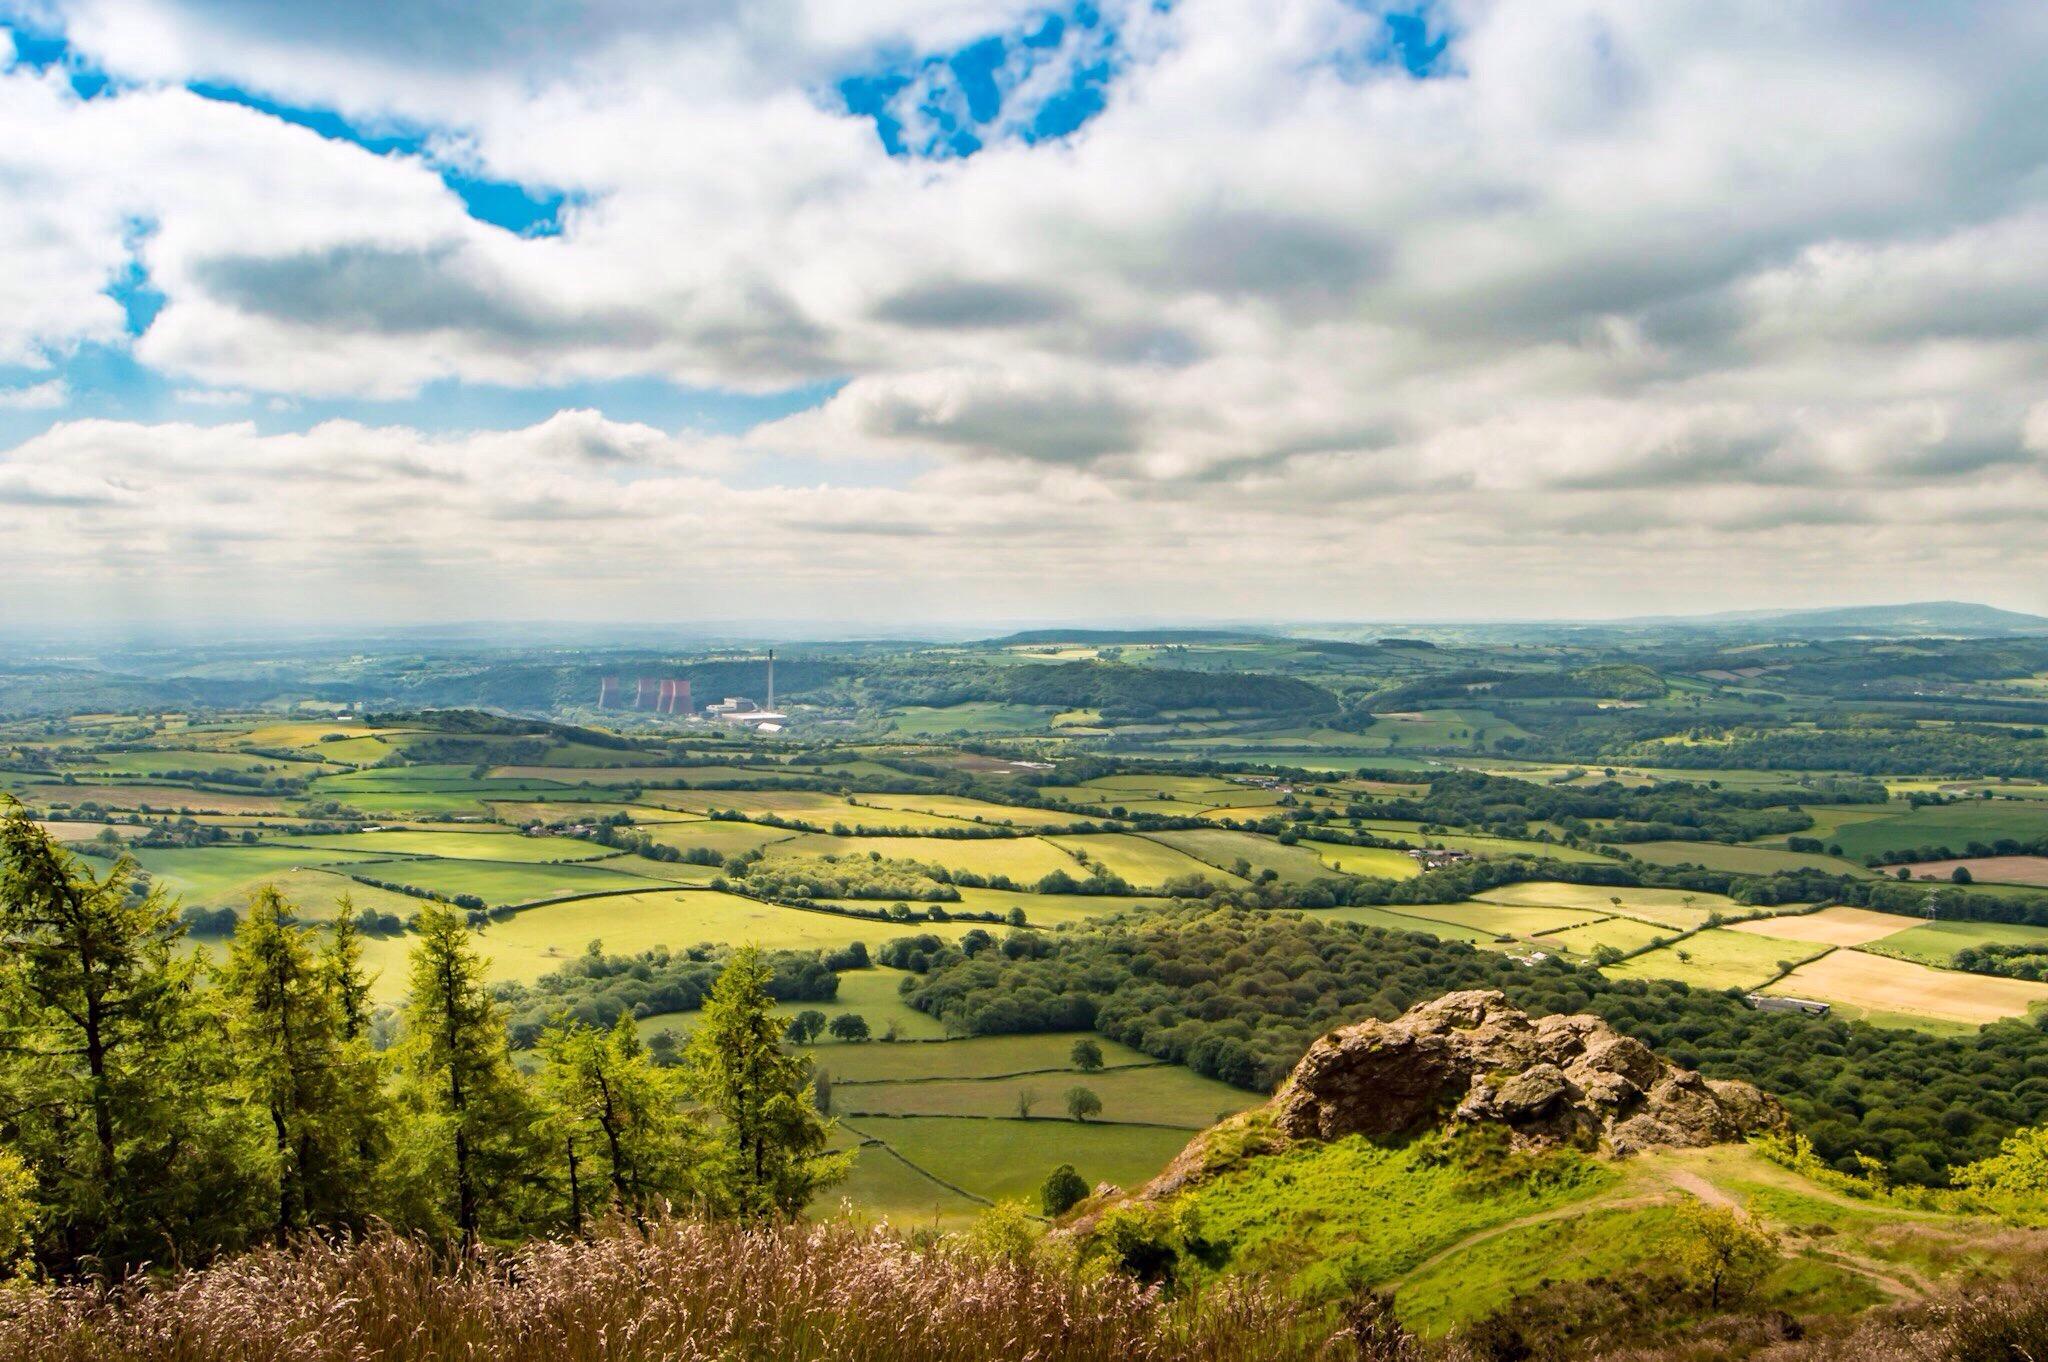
1470	1057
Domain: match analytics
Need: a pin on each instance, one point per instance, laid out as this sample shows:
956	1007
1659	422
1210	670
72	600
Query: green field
1224	847
1159	1094
1742	860
1025	860
883	1186
1680	908
1004	1158
1500	919
1622	933
873	994
1142	861
1379	863
207	875
1951	825
503	882
1717	959
1937	942
958	808
495	845
968	1057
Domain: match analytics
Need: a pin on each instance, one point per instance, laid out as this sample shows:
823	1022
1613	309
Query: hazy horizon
938	314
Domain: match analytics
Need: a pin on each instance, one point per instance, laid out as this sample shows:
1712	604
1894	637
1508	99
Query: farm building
1767	1002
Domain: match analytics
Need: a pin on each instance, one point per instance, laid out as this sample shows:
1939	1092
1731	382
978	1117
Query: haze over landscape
962	309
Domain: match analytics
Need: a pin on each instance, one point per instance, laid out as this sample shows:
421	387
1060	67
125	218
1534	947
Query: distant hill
1127	637
1920	617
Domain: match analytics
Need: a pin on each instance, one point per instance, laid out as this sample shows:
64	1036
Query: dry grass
1881	984
688	1293
1837	926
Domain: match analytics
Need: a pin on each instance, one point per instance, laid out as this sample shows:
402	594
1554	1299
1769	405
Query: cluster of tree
1118	690
148	1115
2011	962
597	989
1686	811
1239	996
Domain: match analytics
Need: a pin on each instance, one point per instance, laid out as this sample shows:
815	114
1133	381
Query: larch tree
320	1090
467	1158
342	963
114	1088
617	1121
769	1138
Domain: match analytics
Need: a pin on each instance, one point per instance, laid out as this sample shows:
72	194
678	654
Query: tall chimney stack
771	680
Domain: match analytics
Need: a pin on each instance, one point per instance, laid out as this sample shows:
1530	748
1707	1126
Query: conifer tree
113	1083
468	1157
320	1090
617	1120
343	963
770	1138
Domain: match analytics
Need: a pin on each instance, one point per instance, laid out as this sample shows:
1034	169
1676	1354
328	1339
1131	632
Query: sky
933	311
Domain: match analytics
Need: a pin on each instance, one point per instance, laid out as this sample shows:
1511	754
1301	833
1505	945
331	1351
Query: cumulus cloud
1620	286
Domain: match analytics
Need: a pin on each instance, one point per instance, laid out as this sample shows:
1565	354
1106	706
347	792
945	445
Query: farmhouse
1436	858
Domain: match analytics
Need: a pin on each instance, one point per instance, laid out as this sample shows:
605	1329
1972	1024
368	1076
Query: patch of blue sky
523	209
1040	82
1415	39
107	381
39	50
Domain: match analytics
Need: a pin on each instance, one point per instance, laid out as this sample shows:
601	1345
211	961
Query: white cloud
1639	286
42	396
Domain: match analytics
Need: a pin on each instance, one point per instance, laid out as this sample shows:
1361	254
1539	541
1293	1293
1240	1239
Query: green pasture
1936	943
1159	1094
1142	861
1224	847
1718	959
1952	825
999	1158
1500	919
503	882
1024	859
1622	933
722	835
883	1186
497	845
873	994
217	874
979	1057
1741	860
1379	863
960	809
1681	908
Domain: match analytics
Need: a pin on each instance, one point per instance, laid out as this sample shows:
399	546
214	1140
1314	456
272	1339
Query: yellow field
1666	907
1024	859
529	944
961	809
1877	983
1838	926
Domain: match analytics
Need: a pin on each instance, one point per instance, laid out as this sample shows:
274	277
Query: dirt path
1895	1281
